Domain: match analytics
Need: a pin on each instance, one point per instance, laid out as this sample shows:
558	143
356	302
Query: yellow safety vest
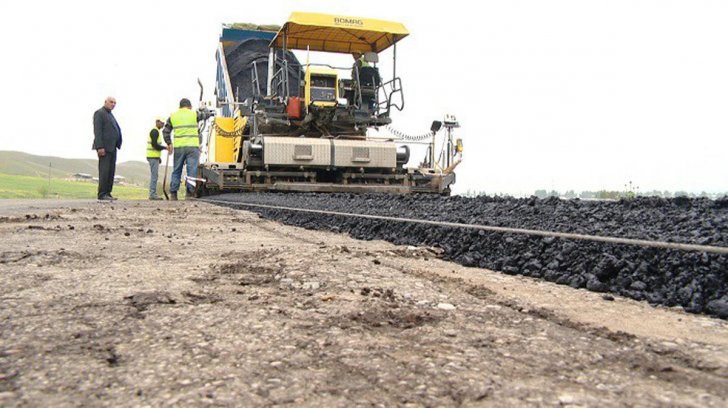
184	125
153	153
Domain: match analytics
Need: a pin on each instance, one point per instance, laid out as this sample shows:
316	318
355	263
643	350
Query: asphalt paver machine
283	125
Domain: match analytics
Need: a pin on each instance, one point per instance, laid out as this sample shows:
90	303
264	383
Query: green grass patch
12	186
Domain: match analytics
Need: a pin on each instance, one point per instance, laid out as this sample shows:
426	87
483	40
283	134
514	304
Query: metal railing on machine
395	87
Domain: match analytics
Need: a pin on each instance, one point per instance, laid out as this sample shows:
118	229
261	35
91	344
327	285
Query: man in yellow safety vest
186	145
359	61
154	156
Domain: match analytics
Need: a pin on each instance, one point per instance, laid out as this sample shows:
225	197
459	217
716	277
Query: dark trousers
107	168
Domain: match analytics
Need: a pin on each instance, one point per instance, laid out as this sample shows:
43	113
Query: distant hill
24	164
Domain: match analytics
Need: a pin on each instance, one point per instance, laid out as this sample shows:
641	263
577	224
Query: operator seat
369	81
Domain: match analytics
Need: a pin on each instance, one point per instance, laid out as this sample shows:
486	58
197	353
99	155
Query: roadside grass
12	186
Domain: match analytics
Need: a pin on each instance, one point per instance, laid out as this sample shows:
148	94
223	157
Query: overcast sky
580	94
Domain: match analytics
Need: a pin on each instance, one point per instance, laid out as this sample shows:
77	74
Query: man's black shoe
173	196
112	198
105	198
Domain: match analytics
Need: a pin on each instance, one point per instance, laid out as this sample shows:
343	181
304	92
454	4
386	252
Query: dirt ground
158	304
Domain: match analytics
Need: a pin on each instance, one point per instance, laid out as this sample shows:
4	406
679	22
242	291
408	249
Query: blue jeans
154	168
189	156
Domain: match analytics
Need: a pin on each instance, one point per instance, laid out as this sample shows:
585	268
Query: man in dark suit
107	138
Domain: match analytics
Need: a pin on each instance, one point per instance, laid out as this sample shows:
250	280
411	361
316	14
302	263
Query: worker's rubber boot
173	196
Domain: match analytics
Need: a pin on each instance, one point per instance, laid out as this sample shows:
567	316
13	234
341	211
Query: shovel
164	181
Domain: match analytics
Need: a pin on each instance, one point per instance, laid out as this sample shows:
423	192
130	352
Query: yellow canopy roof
329	33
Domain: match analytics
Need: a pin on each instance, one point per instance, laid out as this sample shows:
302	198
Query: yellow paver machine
283	125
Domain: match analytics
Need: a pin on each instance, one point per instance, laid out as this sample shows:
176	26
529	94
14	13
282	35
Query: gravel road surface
190	304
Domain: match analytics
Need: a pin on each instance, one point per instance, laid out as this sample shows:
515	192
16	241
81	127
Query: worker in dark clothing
154	156
107	138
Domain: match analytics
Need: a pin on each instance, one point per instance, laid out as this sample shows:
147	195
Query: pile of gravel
695	281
